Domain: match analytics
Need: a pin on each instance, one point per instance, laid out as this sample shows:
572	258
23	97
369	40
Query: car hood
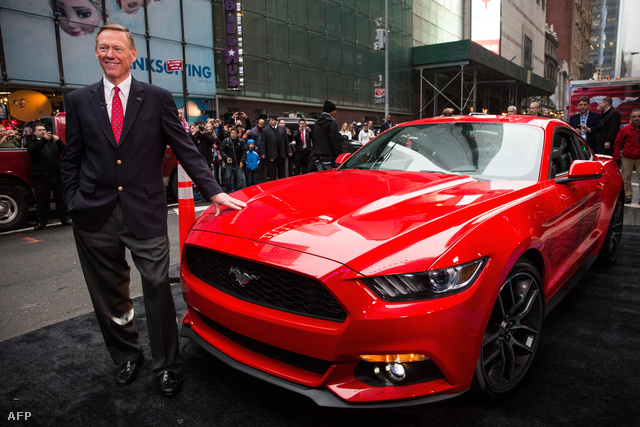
359	217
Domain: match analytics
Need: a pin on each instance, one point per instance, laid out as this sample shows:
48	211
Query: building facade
604	38
572	20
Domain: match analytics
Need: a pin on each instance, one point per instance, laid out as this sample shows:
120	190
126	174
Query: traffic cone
186	208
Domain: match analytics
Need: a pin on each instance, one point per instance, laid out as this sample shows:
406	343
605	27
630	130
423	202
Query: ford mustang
420	268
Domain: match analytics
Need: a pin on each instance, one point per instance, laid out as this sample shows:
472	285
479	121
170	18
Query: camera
201	128
9	137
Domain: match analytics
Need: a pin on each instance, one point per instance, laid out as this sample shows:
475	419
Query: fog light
396	371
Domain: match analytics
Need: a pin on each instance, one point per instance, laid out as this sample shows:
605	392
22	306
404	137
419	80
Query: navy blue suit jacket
594	122
98	173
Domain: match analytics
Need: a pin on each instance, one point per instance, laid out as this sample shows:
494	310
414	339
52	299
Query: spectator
627	150
234	154
8	138
587	123
512	110
303	144
546	112
204	141
242	117
371	127
352	130
534	109
365	134
611	120
183	120
45	150
345	132
388	124
258	135
276	149
326	138
253	163
447	112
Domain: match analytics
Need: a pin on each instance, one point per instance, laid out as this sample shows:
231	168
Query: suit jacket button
119	188
119	162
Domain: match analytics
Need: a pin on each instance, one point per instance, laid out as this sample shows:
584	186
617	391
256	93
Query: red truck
16	178
625	93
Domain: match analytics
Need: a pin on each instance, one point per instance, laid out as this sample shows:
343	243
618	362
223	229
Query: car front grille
312	364
266	286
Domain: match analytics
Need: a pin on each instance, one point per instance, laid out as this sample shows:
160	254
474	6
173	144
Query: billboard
31	52
486	24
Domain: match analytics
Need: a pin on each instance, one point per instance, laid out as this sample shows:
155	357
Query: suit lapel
136	95
99	106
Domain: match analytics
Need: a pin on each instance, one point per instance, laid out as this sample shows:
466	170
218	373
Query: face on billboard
78	17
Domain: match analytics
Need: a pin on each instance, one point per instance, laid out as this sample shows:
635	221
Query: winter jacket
326	137
627	143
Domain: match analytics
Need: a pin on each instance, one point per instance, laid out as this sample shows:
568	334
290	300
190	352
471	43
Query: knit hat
328	106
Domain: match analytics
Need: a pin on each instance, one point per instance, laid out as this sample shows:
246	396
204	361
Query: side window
562	154
581	148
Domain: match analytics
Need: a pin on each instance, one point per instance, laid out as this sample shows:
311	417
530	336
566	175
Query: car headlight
428	284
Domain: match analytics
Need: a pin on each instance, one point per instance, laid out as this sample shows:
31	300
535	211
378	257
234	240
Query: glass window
333	19
279	80
164	19
490	151
197	22
256	73
254	34
334	86
362	61
316	9
29	44
334	55
363	6
298	14
364	30
349	25
201	79
317	85
277	9
161	51
299	43
299	83
317	50
349	59
277	40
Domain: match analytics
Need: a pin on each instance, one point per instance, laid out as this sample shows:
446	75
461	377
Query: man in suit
302	139
587	123
611	120
117	132
276	149
387	125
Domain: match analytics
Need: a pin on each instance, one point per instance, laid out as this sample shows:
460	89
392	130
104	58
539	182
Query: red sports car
421	267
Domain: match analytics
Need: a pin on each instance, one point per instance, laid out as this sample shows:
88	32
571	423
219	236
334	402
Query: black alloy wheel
513	332
609	252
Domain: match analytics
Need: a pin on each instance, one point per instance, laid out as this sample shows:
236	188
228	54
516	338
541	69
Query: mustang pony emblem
241	277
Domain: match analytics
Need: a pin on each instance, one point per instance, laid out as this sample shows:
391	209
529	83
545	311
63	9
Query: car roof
542	122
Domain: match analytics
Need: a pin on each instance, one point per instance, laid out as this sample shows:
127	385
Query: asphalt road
41	282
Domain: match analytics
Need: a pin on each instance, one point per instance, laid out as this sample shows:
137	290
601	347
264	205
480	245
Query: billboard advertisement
32	56
485	24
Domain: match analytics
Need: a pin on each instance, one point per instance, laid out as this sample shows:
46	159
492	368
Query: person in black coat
204	141
45	150
587	123
327	141
611	120
276	149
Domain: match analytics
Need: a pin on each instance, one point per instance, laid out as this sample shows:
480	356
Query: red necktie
117	114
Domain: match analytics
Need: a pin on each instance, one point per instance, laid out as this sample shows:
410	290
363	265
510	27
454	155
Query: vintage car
420	268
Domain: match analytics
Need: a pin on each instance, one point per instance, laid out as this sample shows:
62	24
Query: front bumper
448	331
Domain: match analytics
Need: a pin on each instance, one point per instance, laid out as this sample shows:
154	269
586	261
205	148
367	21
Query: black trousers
44	185
106	271
302	162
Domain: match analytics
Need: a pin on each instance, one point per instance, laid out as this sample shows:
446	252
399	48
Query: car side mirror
582	170
342	158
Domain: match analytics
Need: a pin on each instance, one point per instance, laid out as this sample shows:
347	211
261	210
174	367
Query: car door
577	207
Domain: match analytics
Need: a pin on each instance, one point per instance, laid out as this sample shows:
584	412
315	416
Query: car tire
13	208
513	332
609	252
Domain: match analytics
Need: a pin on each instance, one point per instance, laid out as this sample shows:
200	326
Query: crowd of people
240	154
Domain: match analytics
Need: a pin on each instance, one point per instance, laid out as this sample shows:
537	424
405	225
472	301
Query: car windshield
500	151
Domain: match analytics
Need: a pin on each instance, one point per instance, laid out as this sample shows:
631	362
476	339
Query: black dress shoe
128	372
169	383
40	226
66	222
627	200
